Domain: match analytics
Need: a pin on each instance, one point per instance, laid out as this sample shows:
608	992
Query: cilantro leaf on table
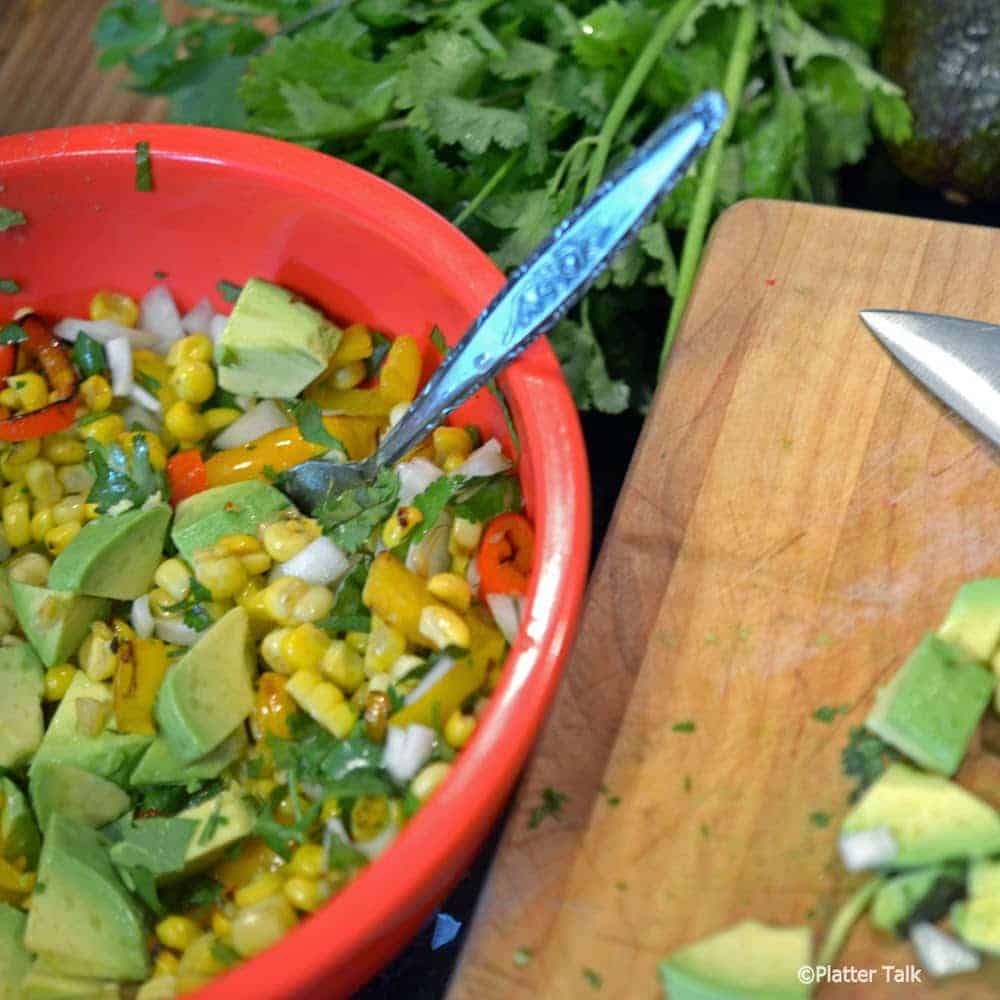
349	518
118	478
865	758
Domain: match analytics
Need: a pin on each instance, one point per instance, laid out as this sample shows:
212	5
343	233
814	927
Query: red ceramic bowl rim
401	882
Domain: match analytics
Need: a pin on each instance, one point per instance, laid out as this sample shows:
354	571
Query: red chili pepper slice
506	555
186	474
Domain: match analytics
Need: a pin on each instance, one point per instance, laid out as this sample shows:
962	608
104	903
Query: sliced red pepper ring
506	555
186	474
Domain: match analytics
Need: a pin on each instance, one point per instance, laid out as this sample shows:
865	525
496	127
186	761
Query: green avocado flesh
19	835
14	958
160	766
78	795
273	344
44	983
932	706
209	691
22	680
977	920
55	622
973	620
235	509
113	556
750	961
917	896
932	819
83	921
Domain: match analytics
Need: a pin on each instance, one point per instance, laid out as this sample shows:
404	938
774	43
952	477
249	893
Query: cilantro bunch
504	114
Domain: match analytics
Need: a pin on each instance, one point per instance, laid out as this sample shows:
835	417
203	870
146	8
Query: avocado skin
945	54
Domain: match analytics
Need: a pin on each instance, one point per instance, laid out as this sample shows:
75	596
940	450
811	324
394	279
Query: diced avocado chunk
931	819
109	755
55	621
46	983
19	836
14	957
157	843
209	691
932	706
273	344
78	795
113	556
234	509
159	765
973	620
917	896
22	680
83	922
750	961
222	820
977	920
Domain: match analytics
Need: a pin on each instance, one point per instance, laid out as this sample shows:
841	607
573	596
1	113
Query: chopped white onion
866	848
136	414
199	319
941	954
102	330
217	325
145	399
246	402
371	849
506	610
320	562
158	315
142	617
415	476
262	419
119	355
430	679
407	749
430	555
472	576
175	631
486	460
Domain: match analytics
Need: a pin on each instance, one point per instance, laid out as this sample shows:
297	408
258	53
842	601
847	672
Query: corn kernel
105	429
165	964
221	925
257	928
22	452
308	860
115	306
197	347
348	376
385	645
450	442
272	706
69	509
303	647
96	658
369	817
256	563
40	478
458	729
357	640
271	649
95	392
279	598
237	545
452	464
32	390
428	779
261	888
323	701
305	893
223	575
184	422
10	398
313	605
443	627
343	665
58	680
59	537
465	536
63	449
285	539
32	567
159	603
402	522
193	381
75	478
41	521
452	589
219	417
173	576
157	453
17	523
177	933
15	491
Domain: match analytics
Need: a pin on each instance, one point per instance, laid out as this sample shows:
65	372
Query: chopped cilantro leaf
551	805
147	381
688	726
593	978
88	355
349	613
522	956
380	348
143	167
827	713
117	477
227	357
196	615
12	334
437	339
865	758
229	290
341	855
270	472
309	417
820	819
224	954
8	286
350	517
211	827
10	217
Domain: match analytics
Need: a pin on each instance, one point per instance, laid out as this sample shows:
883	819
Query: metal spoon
536	297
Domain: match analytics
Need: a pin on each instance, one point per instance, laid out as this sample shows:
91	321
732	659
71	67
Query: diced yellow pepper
399	378
137	681
398	596
355	345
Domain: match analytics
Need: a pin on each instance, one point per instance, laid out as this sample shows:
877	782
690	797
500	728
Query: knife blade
958	360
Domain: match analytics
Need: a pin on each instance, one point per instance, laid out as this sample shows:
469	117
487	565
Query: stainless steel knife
956	359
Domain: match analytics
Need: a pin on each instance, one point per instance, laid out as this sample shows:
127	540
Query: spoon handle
557	274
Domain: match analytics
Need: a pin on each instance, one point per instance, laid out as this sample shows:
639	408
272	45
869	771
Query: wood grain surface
798	512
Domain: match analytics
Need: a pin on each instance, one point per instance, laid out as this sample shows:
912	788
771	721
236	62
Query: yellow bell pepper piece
398	381
397	596
281	449
355	345
137	682
14	883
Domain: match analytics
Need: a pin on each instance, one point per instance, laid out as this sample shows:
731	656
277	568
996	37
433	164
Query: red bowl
229	205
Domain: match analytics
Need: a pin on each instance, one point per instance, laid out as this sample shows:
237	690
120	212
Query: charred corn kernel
271	650
284	539
41	521
305	893
40	478
261	888
378	708
402	522
450	442
258	927
343	665
237	545
330	808
454	590
443	627
58	680
69	509
59	537
32	567
105	429
385	645
223	575
279	598
465	536
63	449
222	926
458	729
177	933
428	779
161	603
308	860
184	422
15	491
256	563
10	398
17	523
157	453
165	964
357	640
196	347
193	381
369	817
313	605
272	706
355	345
75	478
219	417
115	306
323	701
173	576
348	376
97	660
303	647
31	390
95	392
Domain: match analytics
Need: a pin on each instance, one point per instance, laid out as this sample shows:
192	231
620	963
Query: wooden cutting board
798	513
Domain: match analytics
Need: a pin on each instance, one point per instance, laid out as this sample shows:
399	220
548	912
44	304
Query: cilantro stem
662	36
701	212
486	190
844	920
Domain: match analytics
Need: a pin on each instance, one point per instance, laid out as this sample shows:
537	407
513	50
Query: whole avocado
946	55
